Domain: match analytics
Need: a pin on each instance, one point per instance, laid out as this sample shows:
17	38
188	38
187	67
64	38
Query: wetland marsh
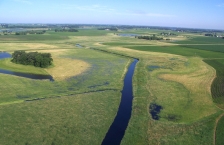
81	104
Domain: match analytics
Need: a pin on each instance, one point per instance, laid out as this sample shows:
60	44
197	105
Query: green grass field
79	119
80	105
213	47
217	86
202	40
179	50
219	132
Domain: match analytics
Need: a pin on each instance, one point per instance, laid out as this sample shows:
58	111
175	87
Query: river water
118	127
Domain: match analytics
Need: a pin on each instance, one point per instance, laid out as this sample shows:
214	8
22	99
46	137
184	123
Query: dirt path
216	123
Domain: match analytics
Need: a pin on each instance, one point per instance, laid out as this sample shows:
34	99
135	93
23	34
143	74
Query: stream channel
118	127
4	55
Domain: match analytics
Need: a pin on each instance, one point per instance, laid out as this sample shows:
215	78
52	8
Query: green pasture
8	65
51	36
179	50
219	132
31	37
201	40
213	47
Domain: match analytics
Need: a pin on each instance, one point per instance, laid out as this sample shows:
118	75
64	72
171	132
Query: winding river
4	55
118	127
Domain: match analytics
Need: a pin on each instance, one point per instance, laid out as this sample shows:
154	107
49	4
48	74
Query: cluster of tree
214	35
30	32
21	33
192	30
149	37
5	32
111	29
163	33
4	25
71	26
66	30
27	26
211	35
32	58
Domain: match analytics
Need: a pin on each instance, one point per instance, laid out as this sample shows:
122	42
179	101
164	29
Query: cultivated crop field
79	106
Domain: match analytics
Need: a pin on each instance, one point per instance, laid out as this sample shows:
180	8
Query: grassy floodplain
181	79
80	74
68	116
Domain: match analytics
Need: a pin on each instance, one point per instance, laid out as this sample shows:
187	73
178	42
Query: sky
208	14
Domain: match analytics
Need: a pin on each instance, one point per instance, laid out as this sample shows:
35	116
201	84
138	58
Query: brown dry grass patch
66	68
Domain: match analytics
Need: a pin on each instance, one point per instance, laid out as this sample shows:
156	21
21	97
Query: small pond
154	110
13	30
4	55
79	46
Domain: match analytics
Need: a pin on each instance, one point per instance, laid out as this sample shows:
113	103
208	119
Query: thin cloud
221	5
143	13
159	15
106	9
23	1
96	7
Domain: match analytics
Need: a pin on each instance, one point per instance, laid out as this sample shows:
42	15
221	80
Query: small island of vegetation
32	58
149	37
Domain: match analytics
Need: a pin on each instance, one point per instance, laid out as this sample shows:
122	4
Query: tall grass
79	119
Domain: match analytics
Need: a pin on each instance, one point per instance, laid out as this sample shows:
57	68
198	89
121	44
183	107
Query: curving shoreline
20	74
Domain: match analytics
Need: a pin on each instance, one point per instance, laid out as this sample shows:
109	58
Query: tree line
66	30
111	29
32	58
30	32
149	37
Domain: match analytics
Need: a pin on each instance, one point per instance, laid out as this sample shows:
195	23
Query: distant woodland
110	29
30	32
149	37
66	30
